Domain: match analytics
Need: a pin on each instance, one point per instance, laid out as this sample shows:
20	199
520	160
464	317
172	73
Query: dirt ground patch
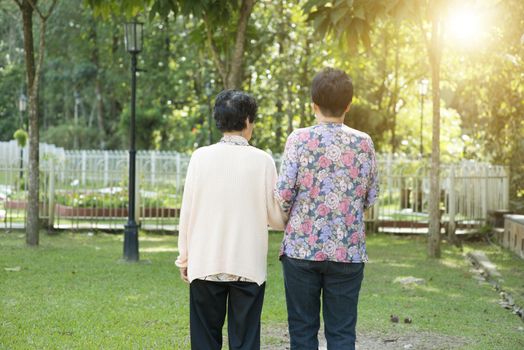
276	337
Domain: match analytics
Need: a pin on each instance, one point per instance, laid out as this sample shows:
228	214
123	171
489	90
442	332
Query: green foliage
488	95
11	71
129	8
384	54
119	199
219	10
65	135
92	200
362	117
352	21
20	136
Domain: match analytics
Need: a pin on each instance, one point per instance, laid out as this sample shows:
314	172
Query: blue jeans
339	284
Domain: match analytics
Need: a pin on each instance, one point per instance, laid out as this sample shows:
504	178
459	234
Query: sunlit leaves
350	22
128	8
219	11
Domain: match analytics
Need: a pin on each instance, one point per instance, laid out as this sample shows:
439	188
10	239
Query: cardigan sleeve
277	218
185	214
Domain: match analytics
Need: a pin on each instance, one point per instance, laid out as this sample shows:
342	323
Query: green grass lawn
73	292
512	279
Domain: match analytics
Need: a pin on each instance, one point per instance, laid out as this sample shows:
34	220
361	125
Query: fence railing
88	190
13	155
468	191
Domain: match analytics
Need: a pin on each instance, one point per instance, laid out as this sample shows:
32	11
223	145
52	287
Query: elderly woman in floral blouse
223	233
328	178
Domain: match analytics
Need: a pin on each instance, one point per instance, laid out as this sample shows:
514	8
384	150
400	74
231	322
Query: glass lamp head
133	36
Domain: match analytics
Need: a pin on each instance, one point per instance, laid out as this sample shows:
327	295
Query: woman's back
226	212
227	206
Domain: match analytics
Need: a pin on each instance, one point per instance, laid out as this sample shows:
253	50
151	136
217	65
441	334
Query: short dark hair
232	108
332	91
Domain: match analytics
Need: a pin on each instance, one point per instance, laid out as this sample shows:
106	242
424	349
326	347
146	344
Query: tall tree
434	49
33	70
230	70
228	60
99	96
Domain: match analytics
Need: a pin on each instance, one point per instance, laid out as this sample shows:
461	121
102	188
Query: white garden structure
88	190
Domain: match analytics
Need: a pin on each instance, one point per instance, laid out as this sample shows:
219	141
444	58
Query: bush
21	137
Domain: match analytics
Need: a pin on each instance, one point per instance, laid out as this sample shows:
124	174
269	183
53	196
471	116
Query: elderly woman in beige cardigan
227	206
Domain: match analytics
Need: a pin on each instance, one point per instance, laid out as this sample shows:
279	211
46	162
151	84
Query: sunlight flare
464	25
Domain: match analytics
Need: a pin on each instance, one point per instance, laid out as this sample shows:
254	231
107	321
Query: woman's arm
373	190
277	219
286	186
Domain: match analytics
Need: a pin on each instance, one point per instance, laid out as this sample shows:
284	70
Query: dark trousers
339	285
208	302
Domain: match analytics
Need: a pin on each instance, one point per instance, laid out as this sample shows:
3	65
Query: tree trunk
234	79
435	52
219	64
290	109
100	110
115	107
278	121
305	81
231	72
279	117
385	69
28	7
394	99
33	188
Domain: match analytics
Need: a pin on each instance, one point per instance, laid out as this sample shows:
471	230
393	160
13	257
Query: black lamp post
22	107
423	91
133	42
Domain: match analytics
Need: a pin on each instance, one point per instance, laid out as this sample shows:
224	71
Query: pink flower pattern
312	145
314	192
324	162
323	209
307	180
337	183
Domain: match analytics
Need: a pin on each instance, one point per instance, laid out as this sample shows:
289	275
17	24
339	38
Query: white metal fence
468	191
11	153
88	190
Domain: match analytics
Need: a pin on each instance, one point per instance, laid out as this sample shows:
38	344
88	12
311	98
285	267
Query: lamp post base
131	241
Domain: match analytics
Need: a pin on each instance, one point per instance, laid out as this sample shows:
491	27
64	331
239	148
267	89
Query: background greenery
86	70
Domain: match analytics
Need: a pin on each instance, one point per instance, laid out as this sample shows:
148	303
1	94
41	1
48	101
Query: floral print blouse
328	177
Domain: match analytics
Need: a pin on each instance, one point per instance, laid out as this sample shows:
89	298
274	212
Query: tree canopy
191	52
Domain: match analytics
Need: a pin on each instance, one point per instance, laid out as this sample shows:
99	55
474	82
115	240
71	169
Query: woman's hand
183	274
